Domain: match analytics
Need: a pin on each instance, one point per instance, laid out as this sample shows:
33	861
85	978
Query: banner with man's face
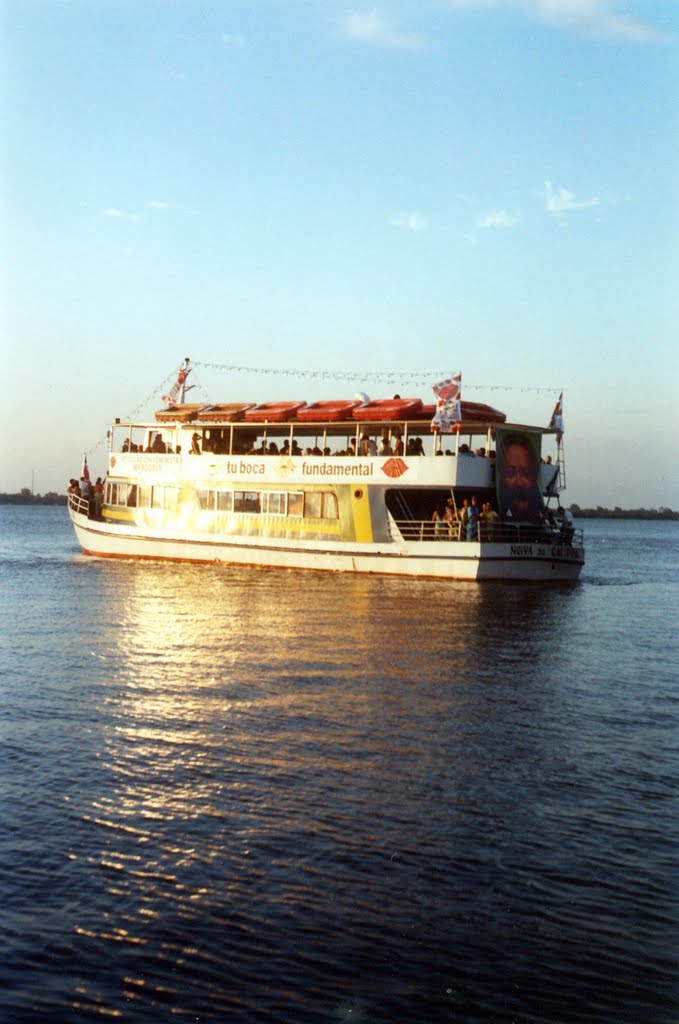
517	475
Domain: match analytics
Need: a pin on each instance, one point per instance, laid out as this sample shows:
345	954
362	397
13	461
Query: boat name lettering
146	465
336	469
523	550
246	468
566	553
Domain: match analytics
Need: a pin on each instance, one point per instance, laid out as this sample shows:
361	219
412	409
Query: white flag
448	405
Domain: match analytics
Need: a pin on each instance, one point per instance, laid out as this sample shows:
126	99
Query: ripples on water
268	796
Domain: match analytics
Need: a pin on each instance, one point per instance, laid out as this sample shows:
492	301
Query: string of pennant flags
420	377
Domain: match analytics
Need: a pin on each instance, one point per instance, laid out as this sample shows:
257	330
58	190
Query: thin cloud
372	28
408	221
562	200
593	17
497	219
156	204
117	214
233	40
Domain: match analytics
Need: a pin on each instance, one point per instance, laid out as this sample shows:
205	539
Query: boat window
313	504
225	501
296	503
246	501
132	495
206	499
111	493
157	497
329	509
274	503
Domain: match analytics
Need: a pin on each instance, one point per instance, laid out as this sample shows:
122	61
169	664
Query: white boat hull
467	560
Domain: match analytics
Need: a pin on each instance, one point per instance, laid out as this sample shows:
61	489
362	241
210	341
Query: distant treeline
26	497
623	513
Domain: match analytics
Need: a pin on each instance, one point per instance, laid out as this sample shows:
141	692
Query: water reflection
277	750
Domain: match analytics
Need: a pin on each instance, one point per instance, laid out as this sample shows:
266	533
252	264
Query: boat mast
183	374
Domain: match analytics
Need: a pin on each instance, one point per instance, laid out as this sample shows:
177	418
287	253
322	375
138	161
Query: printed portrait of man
518	475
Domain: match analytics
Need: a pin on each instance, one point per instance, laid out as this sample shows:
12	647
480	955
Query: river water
257	795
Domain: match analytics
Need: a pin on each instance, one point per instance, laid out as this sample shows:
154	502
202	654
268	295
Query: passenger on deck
451	519
98	497
397	443
567	524
351	450
473	513
158	445
87	493
368	446
273	448
487	521
463	516
437	519
195	444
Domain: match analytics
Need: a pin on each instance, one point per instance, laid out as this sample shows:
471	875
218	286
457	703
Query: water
253	795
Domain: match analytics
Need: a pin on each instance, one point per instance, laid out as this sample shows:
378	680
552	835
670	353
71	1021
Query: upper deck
377	442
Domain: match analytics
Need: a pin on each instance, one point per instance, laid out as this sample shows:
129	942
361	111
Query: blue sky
479	185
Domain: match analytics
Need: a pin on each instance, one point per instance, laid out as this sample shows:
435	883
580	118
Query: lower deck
410	547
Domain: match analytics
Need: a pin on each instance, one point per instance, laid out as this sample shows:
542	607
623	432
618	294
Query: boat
319	486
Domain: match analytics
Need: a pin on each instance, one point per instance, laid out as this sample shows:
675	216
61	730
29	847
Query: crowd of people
471	521
219	443
92	493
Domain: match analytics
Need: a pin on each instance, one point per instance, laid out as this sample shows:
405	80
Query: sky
415	187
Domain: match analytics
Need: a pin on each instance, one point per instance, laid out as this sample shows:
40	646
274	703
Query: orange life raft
387	409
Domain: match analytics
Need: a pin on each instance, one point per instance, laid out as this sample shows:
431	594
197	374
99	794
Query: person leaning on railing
567	524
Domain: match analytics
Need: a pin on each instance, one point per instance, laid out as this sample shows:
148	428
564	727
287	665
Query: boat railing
499	533
78	504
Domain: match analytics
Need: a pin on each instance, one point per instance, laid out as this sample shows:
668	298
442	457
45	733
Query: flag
448	404
171	397
556	422
85	475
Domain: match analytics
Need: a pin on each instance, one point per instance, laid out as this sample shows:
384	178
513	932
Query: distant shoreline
622	513
24	497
